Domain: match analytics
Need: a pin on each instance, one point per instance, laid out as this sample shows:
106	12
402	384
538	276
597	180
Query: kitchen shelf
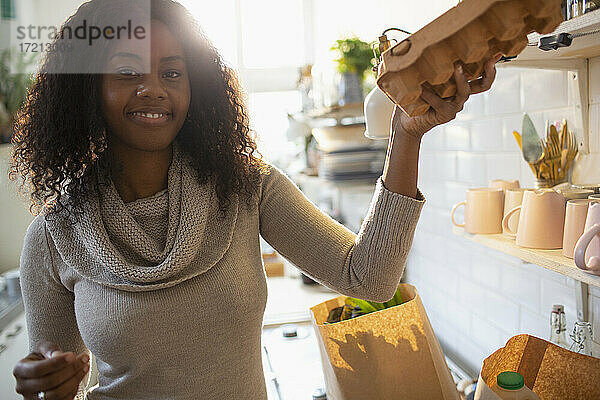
549	259
581	48
574	59
348	114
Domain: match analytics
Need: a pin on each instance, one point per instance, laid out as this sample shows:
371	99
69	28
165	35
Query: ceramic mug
541	222
512	199
575	217
587	249
504	185
483	210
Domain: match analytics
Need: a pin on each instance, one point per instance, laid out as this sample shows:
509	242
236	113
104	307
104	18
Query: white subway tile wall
477	298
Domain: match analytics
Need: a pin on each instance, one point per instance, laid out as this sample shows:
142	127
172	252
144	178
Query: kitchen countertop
289	300
295	362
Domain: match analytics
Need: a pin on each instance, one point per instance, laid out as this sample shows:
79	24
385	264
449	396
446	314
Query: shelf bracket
581	301
579	92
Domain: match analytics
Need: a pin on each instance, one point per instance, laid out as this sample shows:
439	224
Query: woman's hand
52	371
441	110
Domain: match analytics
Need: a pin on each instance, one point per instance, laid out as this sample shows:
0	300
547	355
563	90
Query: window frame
277	79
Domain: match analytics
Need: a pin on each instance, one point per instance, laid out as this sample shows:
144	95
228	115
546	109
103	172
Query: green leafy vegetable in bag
356	307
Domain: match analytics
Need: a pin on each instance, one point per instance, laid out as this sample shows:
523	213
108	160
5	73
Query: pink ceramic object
483	211
575	218
541	222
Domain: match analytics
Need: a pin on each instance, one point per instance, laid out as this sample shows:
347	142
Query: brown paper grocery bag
552	372
388	354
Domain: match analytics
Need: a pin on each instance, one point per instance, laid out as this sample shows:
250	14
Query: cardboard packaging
552	372
470	33
388	354
273	264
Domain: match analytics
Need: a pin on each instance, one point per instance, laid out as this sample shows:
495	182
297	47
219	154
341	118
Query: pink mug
504	185
483	211
542	220
587	249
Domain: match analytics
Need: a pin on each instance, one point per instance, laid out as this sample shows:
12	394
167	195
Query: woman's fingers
489	74
64	391
57	386
435	101
59	377
38	368
463	89
444	110
56	376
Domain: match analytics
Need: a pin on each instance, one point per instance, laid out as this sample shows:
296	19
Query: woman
146	252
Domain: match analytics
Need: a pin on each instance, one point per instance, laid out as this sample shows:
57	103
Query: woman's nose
151	89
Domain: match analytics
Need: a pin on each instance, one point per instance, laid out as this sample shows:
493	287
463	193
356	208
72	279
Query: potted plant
354	57
13	88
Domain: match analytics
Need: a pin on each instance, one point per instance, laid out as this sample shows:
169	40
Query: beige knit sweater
170	299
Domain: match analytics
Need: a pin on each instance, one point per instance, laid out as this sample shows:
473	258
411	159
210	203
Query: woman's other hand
441	110
49	369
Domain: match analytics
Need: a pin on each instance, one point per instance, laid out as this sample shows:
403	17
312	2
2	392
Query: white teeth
147	115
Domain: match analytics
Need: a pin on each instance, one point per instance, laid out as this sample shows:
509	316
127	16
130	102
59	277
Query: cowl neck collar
107	245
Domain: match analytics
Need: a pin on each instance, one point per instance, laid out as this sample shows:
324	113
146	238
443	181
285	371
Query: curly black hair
59	140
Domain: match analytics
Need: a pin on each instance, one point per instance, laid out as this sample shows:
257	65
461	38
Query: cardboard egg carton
470	33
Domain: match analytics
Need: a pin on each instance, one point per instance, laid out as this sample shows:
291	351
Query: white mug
587	249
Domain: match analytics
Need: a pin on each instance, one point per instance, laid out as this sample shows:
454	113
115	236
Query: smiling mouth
147	118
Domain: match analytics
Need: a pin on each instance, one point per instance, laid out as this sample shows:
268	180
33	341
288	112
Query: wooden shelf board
582	47
549	259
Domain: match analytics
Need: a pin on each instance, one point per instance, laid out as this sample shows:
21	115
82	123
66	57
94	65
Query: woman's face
146	111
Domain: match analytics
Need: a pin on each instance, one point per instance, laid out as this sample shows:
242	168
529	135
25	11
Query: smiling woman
145	112
188	83
146	252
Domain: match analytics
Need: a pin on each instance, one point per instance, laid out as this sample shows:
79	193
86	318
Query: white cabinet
14	342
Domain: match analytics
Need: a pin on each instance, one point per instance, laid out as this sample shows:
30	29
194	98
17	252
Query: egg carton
470	33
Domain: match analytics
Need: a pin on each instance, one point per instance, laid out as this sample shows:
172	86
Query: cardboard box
273	264
552	372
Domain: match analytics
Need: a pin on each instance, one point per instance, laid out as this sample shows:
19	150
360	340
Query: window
266	41
273	33
218	21
268	112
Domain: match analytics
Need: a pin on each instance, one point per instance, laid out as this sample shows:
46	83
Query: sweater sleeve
49	305
366	265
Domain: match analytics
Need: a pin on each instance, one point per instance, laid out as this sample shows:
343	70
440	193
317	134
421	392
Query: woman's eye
128	72
172	74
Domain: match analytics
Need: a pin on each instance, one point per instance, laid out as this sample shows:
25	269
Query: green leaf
390	303
377	306
396	300
398	297
364	305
